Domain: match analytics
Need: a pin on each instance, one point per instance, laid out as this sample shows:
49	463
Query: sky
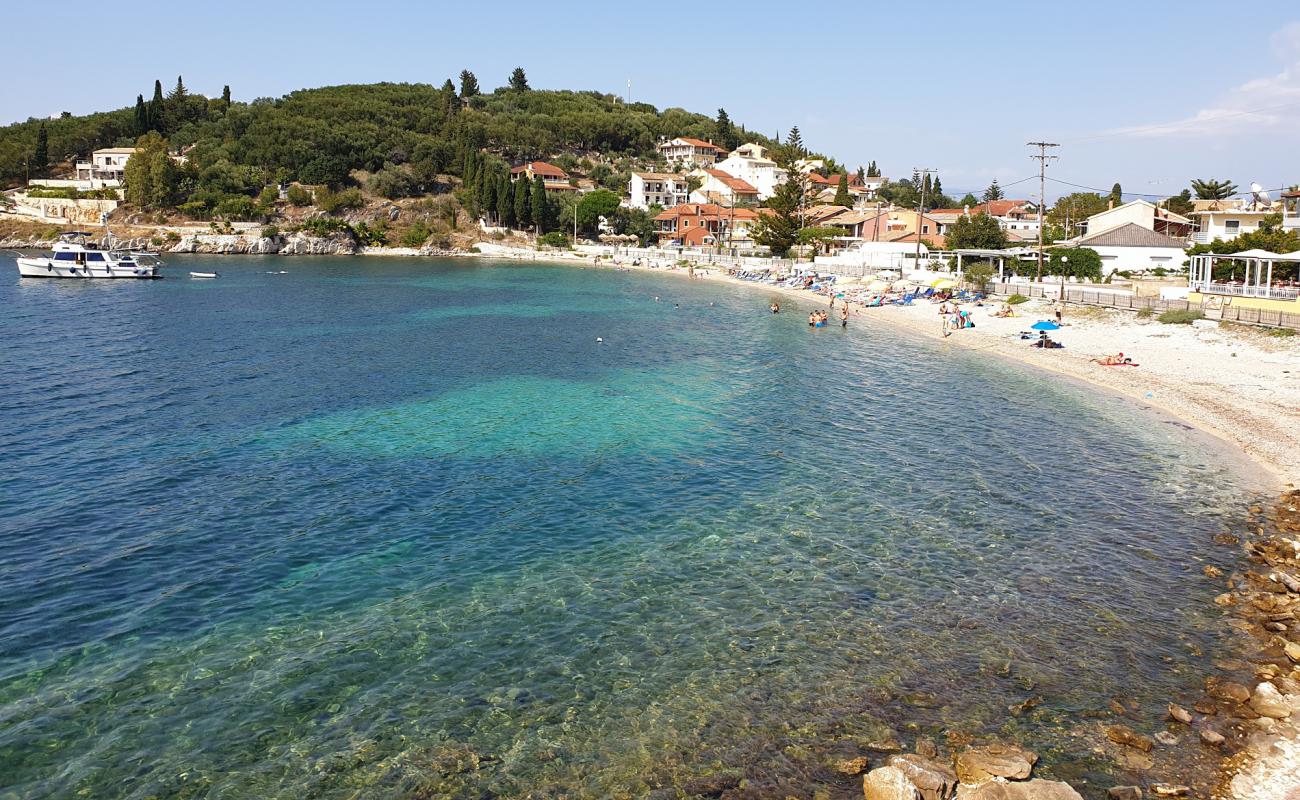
1147	94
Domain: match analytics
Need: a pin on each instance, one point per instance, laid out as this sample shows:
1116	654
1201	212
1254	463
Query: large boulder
1037	789
980	764
1267	701
888	783
933	780
226	244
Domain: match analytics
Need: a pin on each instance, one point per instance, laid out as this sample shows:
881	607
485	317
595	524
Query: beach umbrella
877	285
943	283
1045	325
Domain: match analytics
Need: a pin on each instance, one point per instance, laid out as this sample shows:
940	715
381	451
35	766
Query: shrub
270	232
391	183
554	239
236	207
1146	313
1282	332
334	202
1176	317
416	235
299	196
1016	299
371	237
325	226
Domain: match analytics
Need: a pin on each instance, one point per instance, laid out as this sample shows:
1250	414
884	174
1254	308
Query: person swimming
775	308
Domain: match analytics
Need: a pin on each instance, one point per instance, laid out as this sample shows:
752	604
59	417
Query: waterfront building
663	189
750	163
722	188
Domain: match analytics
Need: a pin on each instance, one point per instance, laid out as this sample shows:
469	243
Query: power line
1141	194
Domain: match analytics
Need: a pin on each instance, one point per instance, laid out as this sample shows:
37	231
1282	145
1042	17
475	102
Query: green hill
318	136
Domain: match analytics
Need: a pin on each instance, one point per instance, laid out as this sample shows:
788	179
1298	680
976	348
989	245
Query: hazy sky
1149	94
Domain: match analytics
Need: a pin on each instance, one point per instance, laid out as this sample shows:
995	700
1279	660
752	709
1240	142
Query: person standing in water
775	308
844	315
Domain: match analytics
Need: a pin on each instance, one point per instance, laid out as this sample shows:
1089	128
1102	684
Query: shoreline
1270	468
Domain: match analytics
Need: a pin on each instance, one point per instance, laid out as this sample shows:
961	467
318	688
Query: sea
374	527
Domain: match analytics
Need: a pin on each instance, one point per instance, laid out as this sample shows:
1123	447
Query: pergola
1016	253
1257	277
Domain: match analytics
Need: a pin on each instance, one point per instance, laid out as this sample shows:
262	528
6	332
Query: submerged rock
1232	692
888	783
1037	789
1180	714
980	764
1121	734
1169	790
927	748
851	766
1125	793
1211	737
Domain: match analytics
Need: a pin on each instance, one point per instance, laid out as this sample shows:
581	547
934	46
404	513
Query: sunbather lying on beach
1119	359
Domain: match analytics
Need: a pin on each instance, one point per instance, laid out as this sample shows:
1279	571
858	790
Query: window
94	256
65	257
1232	225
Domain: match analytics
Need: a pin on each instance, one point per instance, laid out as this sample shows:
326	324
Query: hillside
319	136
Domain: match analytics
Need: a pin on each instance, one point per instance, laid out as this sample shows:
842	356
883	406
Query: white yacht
72	257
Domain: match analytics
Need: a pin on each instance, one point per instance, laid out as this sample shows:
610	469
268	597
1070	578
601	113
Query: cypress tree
518	80
506	202
225	98
141	116
487	195
156	108
937	188
539	204
873	171
1117	194
41	159
842	197
523	208
862	175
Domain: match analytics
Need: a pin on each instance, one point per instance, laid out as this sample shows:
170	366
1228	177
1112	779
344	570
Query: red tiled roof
541	168
733	183
700	143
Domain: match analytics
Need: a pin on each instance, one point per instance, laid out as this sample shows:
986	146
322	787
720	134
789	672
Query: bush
299	196
1282	333
554	239
371	237
1016	299
325	226
391	183
1146	313
1175	317
416	235
237	207
270	232
334	202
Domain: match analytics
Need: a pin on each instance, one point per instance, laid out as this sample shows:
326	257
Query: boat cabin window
94	256
65	256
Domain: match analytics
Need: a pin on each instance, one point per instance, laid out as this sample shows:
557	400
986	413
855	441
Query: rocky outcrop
888	783
933	781
1037	789
226	244
301	244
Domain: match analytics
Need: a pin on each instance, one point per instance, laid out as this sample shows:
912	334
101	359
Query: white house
1227	219
750	163
1131	247
107	165
1144	214
719	187
690	152
661	189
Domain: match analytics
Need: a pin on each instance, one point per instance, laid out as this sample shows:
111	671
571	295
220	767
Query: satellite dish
1260	197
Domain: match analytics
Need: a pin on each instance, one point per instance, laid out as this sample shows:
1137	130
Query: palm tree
1213	189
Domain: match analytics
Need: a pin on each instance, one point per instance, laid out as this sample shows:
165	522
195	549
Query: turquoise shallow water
385	528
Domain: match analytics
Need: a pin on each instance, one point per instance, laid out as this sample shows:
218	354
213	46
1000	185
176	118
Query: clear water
385	528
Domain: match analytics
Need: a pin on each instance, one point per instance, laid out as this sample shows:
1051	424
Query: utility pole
1043	158
924	172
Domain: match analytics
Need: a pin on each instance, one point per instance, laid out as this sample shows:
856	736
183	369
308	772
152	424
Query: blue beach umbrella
1045	325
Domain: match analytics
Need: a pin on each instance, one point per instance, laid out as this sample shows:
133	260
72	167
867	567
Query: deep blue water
379	528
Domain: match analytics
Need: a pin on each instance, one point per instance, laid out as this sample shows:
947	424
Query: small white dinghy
203	274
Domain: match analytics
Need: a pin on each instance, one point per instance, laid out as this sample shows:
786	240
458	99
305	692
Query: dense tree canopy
978	232
1213	189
